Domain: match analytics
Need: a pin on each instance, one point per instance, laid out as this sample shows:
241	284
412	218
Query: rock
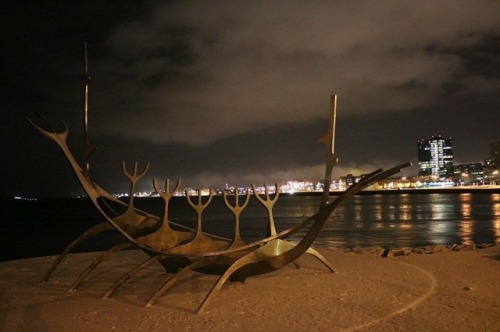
399	252
484	245
418	250
385	252
468	247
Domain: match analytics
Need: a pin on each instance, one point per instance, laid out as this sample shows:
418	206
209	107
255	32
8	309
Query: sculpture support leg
129	275
93	231
96	262
171	281
245	260
321	258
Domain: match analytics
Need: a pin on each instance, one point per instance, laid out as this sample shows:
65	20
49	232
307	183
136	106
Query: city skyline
343	181
239	92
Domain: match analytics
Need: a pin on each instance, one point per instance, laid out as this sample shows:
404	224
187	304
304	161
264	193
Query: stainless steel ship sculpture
181	250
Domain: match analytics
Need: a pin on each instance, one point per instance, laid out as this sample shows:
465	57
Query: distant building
347	181
492	164
468	173
489	163
350	180
300	185
435	157
495	154
475	170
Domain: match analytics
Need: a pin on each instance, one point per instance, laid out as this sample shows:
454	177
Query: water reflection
465	232
415	220
358	212
405	213
396	220
377	209
440	226
495	211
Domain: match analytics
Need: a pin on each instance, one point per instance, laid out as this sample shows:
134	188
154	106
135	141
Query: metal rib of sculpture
181	252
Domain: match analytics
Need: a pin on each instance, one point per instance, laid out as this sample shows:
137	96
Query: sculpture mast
329	140
88	147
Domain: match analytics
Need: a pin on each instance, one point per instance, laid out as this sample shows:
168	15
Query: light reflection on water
495	208
466	223
404	220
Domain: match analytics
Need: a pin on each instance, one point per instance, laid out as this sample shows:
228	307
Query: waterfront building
294	186
468	173
495	155
492	164
435	157
348	180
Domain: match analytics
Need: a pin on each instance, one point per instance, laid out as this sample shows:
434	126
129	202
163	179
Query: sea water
45	227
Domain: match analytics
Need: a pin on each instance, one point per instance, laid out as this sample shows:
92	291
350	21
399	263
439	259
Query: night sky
238	92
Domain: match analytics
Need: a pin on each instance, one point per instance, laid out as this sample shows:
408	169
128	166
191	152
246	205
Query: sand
445	291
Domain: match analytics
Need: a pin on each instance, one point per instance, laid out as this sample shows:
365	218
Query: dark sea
47	226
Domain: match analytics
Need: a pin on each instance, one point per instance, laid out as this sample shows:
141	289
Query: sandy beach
444	291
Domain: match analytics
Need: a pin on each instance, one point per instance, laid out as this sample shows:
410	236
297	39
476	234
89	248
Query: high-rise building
435	157
495	154
492	164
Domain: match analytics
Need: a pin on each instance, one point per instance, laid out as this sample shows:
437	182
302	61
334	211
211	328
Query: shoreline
405	251
382	251
451	190
448	190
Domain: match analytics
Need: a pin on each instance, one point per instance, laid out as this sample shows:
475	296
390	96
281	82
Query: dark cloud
250	65
242	87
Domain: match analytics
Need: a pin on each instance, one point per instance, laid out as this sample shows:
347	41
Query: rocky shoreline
405	251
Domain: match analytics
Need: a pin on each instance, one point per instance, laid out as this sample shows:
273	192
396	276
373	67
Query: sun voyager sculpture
181	250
